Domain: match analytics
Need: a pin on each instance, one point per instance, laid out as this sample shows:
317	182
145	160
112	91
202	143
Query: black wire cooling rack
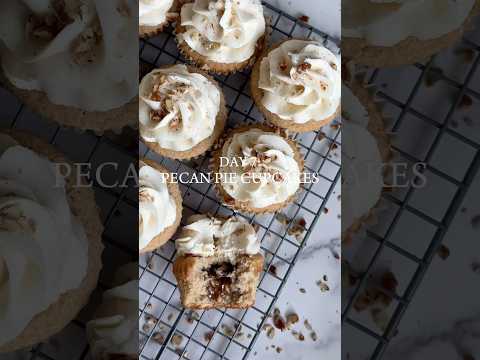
168	331
436	129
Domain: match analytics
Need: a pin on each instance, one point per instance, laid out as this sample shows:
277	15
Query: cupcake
154	16
222	36
160	206
297	85
113	333
258	170
218	263
396	32
365	153
50	242
181	111
74	62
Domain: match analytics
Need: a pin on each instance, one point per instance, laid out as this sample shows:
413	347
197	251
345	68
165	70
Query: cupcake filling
177	109
224	31
262	167
300	81
421	19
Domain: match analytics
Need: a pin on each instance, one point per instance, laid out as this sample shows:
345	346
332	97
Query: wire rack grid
167	331
405	203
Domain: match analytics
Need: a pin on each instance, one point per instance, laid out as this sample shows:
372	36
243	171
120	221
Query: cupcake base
98	121
407	51
243	206
174	191
214	282
204	63
257	95
69	304
205	144
376	127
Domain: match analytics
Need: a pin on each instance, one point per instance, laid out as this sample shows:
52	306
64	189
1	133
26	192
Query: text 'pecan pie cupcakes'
258	170
154	16
74	62
218	263
160	206
50	242
113	333
182	111
396	32
365	155
222	36
297	85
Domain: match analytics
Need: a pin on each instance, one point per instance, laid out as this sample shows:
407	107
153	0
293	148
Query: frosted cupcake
259	170
297	85
50	242
396	32
218	263
222	36
181	111
113	333
74	62
160	206
365	153
154	16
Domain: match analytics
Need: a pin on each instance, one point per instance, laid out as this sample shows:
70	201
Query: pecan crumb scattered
466	102
302	290
298	335
304	67
270	330
292	319
307	325
176	339
278	320
313	336
272	269
443	252
323	286
159	338
279	349
208	336
304	18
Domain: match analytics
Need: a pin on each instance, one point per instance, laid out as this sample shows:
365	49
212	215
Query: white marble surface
325	15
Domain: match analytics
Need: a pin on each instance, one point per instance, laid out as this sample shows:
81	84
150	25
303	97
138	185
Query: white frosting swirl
81	55
301	81
261	169
43	248
178	109
362	163
225	31
157	208
209	236
153	12
386	23
116	330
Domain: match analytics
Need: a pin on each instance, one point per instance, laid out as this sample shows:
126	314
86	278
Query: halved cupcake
182	111
50	241
218	264
259	169
160	206
297	85
222	36
155	15
396	32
